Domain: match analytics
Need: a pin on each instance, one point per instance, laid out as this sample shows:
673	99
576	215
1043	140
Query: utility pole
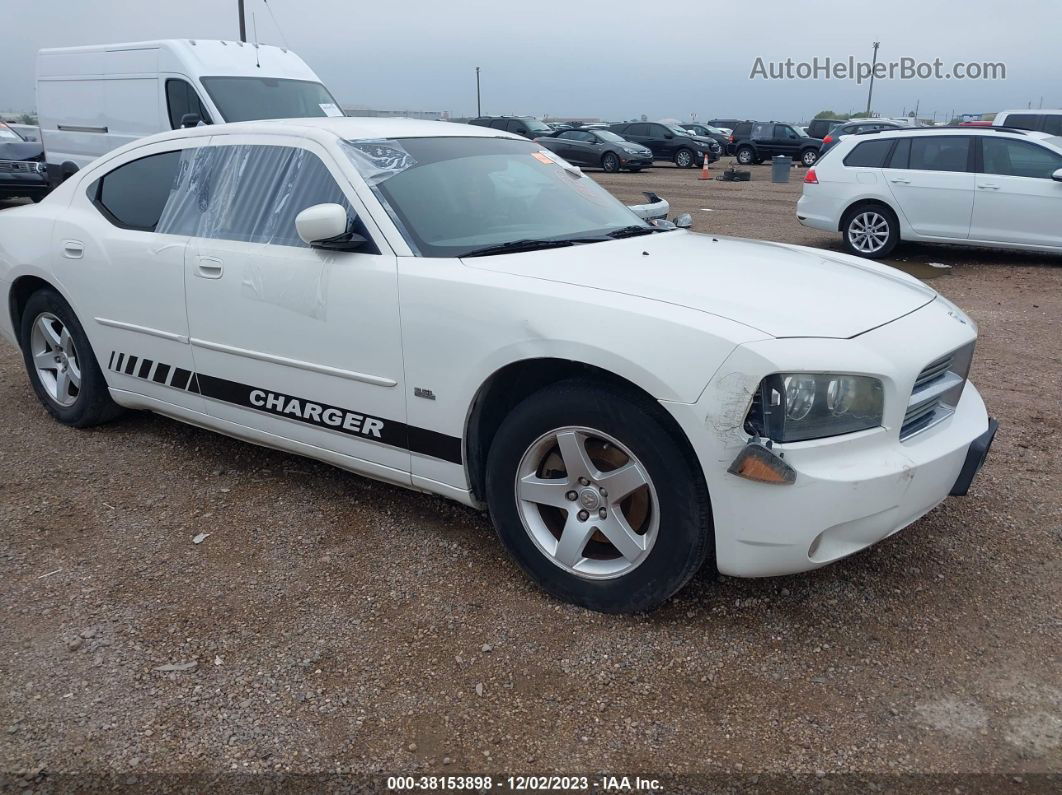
873	69
243	23
479	107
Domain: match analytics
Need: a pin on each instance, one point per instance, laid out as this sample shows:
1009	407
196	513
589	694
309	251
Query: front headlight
631	150
795	407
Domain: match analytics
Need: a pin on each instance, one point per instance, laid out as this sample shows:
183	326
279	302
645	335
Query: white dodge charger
453	309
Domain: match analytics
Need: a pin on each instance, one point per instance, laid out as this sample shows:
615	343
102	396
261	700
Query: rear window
870	154
133	195
1023	121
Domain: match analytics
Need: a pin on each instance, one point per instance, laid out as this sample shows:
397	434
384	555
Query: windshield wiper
633	231
514	246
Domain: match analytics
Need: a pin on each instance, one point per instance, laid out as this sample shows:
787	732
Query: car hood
781	290
21	150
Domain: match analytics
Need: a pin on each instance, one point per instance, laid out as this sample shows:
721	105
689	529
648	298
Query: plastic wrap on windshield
378	160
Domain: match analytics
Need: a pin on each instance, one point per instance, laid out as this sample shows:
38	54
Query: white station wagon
456	310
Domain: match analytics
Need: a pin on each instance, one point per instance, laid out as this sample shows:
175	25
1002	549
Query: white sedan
456	310
977	186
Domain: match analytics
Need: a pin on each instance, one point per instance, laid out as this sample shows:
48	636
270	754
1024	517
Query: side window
181	98
940	153
1012	158
762	131
869	154
784	131
249	193
516	126
637	129
133	195
498	124
1023	121
1053	124
901	155
570	135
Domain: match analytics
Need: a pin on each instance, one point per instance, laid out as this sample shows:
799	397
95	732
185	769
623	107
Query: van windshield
252	98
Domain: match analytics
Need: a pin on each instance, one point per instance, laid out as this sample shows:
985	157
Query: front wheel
596	499
62	368
870	231
809	157
684	158
610	162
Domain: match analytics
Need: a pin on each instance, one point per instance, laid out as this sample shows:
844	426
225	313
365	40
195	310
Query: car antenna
254	24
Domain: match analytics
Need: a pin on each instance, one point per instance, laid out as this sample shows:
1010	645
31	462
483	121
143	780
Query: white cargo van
93	99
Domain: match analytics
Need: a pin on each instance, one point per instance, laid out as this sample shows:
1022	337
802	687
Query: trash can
780	165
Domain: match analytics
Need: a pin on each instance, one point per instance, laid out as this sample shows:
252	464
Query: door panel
129	283
1016	200
298	342
935	192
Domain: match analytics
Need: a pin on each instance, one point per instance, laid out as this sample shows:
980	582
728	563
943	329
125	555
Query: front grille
17	167
936	391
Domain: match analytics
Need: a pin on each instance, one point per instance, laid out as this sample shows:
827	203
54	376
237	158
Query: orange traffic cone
704	168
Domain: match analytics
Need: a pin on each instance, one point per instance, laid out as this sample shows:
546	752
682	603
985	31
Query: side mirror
1057	176
190	120
326	226
684	221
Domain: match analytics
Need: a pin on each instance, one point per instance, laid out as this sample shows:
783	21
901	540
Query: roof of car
956	130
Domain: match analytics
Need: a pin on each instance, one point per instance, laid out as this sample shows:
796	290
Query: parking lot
331	623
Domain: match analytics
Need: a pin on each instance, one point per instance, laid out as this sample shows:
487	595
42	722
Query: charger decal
292	407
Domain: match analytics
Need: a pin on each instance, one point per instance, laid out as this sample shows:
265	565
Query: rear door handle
73	249
988	186
209	267
900	181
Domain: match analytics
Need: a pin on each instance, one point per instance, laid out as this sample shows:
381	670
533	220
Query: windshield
251	98
677	130
608	135
452	196
536	126
6	133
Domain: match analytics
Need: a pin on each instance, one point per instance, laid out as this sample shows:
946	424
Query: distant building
431	115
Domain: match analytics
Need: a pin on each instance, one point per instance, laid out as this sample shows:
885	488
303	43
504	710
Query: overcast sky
613	59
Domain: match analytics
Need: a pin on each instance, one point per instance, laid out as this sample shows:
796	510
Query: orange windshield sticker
542	158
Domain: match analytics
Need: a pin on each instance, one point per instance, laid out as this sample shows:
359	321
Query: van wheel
61	365
596	498
745	155
870	230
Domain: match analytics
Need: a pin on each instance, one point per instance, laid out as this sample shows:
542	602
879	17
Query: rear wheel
684	158
596	499
808	157
610	162
745	155
870	230
62	368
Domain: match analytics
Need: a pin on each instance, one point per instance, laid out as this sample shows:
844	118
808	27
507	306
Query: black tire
684	538
684	158
746	155
809	157
610	162
864	213
93	404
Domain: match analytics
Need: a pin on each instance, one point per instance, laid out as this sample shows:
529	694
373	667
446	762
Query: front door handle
900	181
988	186
209	267
73	249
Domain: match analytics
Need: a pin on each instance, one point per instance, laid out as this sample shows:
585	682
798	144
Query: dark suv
766	139
526	126
669	142
820	128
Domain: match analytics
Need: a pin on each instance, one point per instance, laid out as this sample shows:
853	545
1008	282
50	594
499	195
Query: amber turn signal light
757	462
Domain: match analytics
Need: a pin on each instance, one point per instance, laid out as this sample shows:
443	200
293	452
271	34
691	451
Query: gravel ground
330	623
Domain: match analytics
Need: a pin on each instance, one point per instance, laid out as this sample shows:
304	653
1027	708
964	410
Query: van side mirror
190	120
326	226
1057	176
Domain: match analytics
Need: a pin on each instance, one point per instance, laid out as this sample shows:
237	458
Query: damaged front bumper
849	491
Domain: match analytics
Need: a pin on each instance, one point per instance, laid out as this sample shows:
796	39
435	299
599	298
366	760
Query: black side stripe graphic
310	412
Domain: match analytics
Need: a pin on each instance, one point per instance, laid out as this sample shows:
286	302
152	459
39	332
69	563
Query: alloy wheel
868	232
55	359
587	503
